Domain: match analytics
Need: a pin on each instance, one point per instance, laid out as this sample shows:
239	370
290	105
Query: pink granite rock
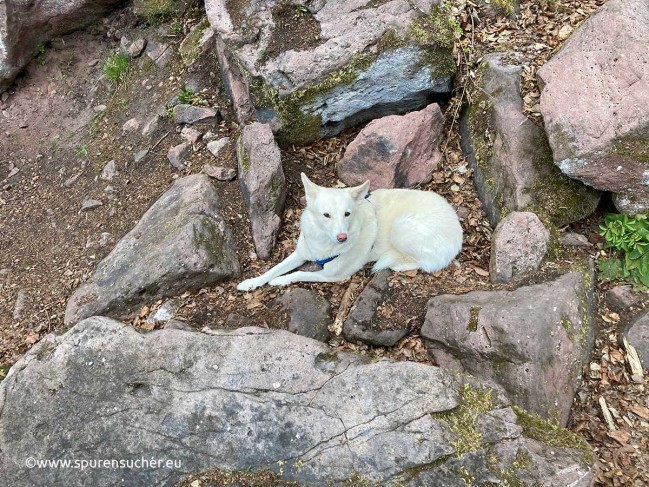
595	103
510	155
397	151
518	245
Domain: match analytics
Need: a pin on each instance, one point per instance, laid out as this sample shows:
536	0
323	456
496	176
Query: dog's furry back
416	230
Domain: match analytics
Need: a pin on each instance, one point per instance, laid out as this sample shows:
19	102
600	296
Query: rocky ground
62	123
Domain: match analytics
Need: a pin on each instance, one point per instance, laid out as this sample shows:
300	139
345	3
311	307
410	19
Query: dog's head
334	208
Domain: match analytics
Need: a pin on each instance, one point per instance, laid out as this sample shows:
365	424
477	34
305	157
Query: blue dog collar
322	262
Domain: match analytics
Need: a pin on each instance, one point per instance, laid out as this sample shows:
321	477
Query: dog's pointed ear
360	192
310	188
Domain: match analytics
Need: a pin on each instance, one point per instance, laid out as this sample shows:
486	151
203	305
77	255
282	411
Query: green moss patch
463	420
552	435
190	47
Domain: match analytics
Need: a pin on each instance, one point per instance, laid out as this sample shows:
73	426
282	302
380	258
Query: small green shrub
40	55
628	237
186	96
155	11
116	66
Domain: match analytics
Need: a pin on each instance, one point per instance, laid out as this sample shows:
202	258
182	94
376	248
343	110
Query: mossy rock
318	91
511	157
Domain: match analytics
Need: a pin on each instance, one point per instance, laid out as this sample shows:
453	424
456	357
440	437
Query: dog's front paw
250	284
281	281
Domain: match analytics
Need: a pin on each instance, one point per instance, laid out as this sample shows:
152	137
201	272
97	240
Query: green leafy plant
301	10
177	28
40	56
116	66
186	96
628	238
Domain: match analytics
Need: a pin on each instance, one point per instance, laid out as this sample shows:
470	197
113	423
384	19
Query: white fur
399	229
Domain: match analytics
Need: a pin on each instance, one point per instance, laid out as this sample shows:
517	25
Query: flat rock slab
180	243
255	399
361	325
338	64
25	24
511	156
518	246
397	151
595	102
262	183
533	341
308	313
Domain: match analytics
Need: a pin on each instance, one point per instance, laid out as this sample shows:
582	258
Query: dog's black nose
342	237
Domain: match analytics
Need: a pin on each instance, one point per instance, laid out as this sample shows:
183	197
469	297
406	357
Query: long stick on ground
345	303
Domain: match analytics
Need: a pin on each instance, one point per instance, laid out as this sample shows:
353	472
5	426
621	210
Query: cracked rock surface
254	399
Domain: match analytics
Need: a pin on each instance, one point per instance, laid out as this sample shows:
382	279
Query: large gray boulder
26	24
595	101
262	183
325	66
533	341
180	243
510	155
255	399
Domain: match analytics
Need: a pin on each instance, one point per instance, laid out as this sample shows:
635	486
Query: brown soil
295	28
47	248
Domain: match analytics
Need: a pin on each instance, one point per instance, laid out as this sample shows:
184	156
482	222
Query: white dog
343	229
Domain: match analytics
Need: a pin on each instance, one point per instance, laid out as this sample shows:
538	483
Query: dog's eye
347	213
326	215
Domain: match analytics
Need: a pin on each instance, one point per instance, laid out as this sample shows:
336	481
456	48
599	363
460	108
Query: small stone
130	126
178	154
216	146
309	314
637	333
572	239
361	324
104	239
71	180
191	115
177	325
190	134
159	53
99	108
152	125
135	48
20	305
109	172
518	245
220	173
13	172
90	204
621	298
93	63
140	155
